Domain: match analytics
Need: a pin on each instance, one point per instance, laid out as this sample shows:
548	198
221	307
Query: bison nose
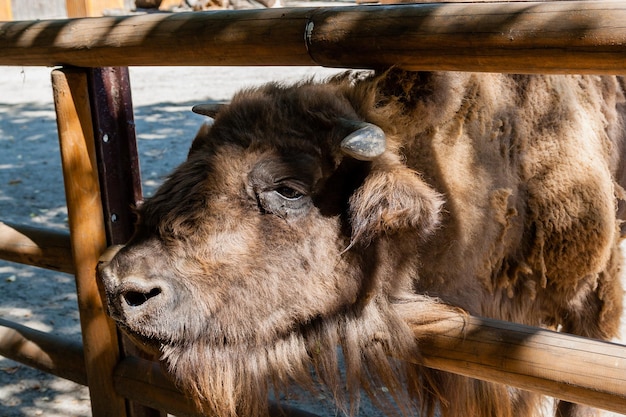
136	294
138	301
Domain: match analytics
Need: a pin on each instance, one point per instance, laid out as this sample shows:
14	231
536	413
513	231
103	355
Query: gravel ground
31	192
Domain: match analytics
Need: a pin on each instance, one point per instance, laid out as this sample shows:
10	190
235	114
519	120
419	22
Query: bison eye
289	193
283	186
284	201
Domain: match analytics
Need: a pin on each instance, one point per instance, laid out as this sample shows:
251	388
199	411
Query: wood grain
564	366
49	353
87	235
521	37
37	247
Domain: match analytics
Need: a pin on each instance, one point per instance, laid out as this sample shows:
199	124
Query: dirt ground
31	192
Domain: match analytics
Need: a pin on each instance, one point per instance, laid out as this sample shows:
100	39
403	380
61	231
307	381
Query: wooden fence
98	152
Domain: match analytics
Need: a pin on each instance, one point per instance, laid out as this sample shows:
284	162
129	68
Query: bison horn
365	143
110	253
208	109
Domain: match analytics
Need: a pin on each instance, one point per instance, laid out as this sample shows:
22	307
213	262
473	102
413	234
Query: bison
306	215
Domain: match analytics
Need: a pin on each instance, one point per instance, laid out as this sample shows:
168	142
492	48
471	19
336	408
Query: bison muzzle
306	214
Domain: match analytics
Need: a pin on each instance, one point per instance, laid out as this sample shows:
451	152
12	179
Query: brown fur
268	247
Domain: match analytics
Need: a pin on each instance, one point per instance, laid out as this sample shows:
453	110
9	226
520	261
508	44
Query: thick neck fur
233	380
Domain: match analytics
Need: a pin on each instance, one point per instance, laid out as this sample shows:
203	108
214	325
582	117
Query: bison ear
393	198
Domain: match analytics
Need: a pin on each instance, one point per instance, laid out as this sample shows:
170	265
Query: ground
31	192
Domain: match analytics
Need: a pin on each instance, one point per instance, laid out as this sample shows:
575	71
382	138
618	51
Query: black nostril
137	298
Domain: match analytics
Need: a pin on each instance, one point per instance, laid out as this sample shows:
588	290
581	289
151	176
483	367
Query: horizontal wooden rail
144	382
49	353
560	365
37	247
524	37
564	366
568	367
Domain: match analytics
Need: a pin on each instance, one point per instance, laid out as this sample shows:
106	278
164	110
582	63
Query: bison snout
137	299
135	292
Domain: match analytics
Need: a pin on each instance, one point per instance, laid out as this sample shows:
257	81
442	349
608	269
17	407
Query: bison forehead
306	117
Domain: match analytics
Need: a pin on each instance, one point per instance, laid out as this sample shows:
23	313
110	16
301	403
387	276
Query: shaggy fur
269	247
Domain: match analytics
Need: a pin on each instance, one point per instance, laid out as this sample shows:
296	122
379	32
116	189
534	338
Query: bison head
277	240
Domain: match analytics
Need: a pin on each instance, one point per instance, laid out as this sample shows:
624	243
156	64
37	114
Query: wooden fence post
87	235
91	8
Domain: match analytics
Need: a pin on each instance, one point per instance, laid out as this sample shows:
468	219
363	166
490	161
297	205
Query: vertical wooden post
91	8
87	235
5	10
